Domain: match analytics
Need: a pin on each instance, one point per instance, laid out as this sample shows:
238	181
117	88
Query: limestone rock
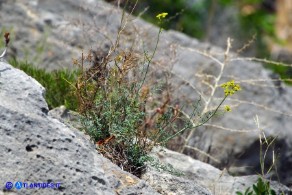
201	174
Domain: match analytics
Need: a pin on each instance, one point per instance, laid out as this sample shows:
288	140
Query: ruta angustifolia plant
113	99
262	186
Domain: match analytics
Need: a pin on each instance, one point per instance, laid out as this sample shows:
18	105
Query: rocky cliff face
51	33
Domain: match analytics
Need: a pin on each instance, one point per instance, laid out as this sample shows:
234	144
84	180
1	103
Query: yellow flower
230	87
119	58
227	108
161	15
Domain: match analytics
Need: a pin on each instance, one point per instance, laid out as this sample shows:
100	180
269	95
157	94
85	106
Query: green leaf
247	192
273	192
255	189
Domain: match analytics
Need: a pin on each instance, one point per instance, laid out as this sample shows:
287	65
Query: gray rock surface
201	174
35	147
54	32
169	185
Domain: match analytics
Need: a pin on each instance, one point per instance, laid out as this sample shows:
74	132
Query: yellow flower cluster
161	15
230	87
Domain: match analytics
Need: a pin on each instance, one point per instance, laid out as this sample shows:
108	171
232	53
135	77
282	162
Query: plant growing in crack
113	98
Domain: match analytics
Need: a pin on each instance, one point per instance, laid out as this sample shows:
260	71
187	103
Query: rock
66	27
168	184
197	173
68	117
35	147
48	34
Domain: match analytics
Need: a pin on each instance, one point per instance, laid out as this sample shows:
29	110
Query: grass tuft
57	84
